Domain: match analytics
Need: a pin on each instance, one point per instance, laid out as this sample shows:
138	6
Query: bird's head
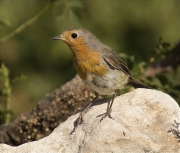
76	38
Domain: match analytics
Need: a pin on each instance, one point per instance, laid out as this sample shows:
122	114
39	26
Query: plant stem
26	24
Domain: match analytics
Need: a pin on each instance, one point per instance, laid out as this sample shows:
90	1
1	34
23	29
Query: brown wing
114	61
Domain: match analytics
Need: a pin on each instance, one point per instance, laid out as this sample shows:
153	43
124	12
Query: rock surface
144	121
52	110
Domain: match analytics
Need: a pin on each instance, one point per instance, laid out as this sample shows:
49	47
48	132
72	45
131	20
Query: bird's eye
74	35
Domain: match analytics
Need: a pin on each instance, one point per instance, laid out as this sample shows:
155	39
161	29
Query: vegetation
5	112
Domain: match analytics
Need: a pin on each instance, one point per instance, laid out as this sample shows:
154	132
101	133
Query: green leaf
5	70
4	74
156	82
75	4
152	82
5	23
74	16
142	66
59	10
132	58
19	78
123	55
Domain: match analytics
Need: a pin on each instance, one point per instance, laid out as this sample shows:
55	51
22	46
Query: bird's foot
78	121
104	115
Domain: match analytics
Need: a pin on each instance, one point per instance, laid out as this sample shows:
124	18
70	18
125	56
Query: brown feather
114	61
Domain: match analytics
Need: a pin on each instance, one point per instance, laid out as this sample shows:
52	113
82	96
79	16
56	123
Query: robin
98	66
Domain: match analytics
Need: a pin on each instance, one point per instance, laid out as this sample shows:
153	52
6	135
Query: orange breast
86	61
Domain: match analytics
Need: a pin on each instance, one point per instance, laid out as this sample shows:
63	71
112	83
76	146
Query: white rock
142	119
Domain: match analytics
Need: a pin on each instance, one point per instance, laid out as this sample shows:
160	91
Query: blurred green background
132	27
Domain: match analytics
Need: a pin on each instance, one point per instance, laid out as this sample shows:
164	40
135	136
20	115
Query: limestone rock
144	121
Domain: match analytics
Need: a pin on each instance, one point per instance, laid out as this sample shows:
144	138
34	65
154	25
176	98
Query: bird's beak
58	38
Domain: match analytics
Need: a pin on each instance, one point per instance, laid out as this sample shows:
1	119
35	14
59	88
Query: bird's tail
137	84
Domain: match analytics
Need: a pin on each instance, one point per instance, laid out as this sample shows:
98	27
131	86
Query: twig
26	24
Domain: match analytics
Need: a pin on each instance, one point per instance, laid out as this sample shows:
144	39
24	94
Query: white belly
107	84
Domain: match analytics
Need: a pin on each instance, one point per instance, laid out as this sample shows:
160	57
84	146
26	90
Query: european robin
99	67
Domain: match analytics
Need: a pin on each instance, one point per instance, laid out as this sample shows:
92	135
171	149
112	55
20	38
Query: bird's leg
81	115
109	106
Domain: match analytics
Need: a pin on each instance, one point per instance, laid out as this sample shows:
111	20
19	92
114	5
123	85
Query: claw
79	120
104	115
